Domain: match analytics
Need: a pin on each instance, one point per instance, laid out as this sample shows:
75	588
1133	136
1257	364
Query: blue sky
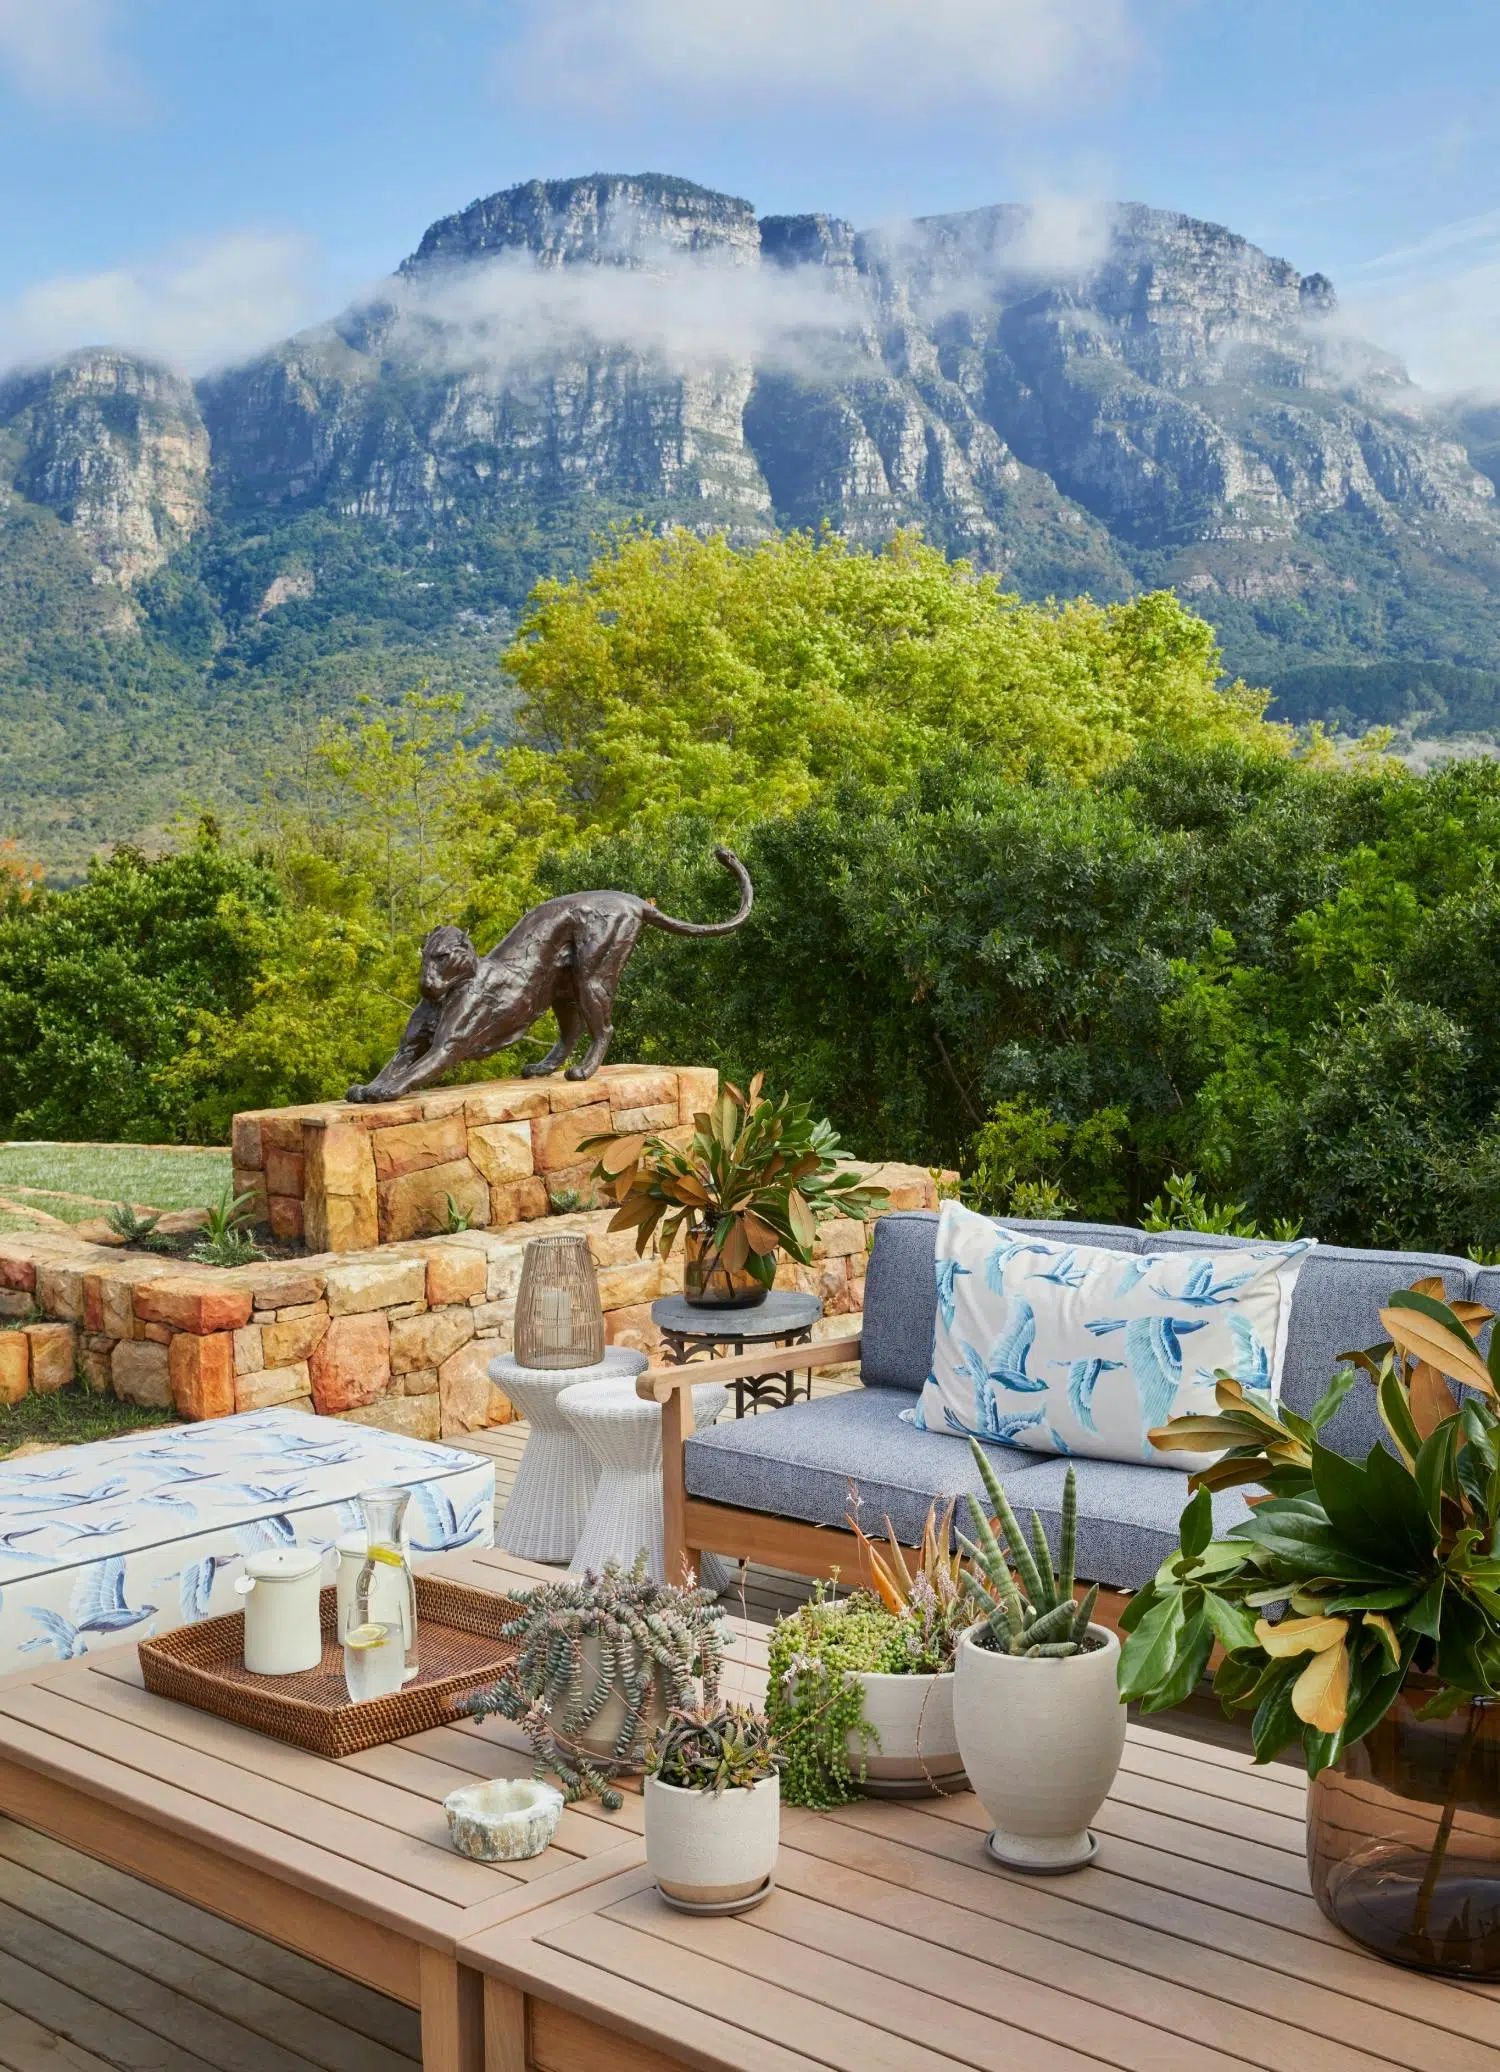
195	178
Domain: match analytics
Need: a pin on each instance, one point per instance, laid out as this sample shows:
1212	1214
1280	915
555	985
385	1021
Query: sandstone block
249	1350
447	1100
365	1284
555	1138
466	1391
564	1095
622	1286
272	1387
93	1368
418	1145
200	1306
416	1204
506	1101
286	1217
338	1195
631	1122
352	1364
245	1143
54	1355
117	1293
59	1291
522	1201
572	1184
427	1341
841	1237
251	1183
159	1334
632	1327
502	1150
15	1366
422	1381
504	1276
281	1130
285	1173
14	1304
641	1086
17	1271
339	1155
287	1290
348	1223
140	1372
414	1417
609	1247
407	1309
286	1343
856	1295
201	1373
696	1087
389	1115
455	1274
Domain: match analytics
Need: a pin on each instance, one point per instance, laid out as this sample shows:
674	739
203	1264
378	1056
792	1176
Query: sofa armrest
669	1386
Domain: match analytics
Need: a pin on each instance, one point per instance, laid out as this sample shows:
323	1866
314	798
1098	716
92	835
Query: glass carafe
385	1592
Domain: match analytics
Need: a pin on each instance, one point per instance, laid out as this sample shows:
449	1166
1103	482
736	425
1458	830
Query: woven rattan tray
458	1639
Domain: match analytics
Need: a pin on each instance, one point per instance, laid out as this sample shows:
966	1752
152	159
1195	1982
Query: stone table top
778	1316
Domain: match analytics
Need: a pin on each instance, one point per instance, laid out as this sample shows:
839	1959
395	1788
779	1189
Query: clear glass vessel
1403	1838
384	1592
374	1663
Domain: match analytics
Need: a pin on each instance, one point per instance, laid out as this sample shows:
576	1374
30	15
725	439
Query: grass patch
187	1179
72	1416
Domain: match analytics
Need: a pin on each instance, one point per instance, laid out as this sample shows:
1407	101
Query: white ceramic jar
918	1749
712	1850
1041	1740
283	1632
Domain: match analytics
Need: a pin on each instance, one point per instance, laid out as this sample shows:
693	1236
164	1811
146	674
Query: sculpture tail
747	899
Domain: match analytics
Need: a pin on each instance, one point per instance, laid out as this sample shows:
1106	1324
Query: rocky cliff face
1136	399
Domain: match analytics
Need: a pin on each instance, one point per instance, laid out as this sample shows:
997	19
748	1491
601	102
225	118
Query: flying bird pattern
97	1606
1153	1351
1083	1375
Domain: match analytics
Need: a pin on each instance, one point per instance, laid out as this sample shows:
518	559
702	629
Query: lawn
71	1416
44	1175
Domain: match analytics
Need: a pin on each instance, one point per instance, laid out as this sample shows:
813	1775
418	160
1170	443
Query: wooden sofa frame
693	1526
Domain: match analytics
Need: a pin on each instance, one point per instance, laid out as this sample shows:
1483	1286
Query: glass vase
385	1592
1403	1839
708	1283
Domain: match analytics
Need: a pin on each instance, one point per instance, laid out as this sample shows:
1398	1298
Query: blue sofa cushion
1336	1309
901	1290
800	1462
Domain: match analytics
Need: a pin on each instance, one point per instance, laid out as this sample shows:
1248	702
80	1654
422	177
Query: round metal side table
782	1319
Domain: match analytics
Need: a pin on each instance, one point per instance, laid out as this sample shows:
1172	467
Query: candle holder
559	1318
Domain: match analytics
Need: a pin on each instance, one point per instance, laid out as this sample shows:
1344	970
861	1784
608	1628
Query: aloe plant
1031	1612
713	1747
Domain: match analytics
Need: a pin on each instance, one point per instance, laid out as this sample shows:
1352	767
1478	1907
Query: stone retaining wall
343	1177
398	1336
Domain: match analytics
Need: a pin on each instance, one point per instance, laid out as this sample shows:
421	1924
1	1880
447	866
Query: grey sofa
798	1464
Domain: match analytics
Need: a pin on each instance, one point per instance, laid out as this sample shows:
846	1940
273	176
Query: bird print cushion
1067	1348
128	1537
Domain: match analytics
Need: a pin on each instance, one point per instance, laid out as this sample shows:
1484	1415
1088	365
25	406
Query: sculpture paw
358	1093
579	1072
537	1069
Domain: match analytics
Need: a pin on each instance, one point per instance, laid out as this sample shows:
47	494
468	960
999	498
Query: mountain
191	573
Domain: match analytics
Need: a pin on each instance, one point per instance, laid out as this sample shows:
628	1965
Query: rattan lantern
559	1318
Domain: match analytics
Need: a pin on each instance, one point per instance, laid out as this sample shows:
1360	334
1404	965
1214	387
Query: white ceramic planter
598	1742
711	1851
913	1715
1041	1742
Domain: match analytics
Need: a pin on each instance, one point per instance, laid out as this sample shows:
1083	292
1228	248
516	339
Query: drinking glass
374	1661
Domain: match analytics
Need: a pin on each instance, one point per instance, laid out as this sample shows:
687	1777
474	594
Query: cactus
1030	1612
650	1635
713	1748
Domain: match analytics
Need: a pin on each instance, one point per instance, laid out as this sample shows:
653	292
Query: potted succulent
758	1177
1384	1660
713	1808
1040	1723
860	1690
603	1659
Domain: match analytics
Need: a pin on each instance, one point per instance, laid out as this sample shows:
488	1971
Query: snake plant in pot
1358	1608
757	1177
1040	1724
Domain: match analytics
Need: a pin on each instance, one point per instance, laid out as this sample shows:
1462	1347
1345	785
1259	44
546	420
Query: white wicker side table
624	1436
556	1480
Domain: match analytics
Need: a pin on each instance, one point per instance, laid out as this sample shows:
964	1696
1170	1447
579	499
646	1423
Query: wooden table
892	1942
348	1863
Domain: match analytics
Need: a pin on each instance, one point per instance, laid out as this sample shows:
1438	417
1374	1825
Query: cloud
887	57
197	307
57	52
1437	303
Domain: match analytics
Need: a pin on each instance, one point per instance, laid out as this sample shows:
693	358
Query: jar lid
282	1564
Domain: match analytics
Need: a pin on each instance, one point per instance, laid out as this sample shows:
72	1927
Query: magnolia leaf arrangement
758	1176
651	1638
1386	1569
1033	1611
713	1747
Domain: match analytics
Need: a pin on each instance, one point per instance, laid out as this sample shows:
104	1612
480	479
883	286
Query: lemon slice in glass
365	1636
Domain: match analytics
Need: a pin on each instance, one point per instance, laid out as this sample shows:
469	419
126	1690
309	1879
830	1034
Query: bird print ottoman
126	1538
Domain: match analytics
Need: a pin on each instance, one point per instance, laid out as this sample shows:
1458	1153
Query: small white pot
709	1850
1041	1742
913	1715
283	1627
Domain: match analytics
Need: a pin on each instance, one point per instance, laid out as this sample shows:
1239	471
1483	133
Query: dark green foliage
1357	696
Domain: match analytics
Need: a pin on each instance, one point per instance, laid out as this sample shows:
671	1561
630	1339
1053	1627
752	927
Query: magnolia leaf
1423	1337
1233	1626
621	1153
1395	1415
1301	1637
1378	1624
1432	1401
1149	1655
1320	1696
755	1086
736	1247
762	1238
800	1216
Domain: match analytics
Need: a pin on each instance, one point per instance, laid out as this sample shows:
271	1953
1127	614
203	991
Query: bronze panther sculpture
567	954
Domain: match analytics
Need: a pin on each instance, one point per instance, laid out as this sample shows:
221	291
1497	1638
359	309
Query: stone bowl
505	1820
